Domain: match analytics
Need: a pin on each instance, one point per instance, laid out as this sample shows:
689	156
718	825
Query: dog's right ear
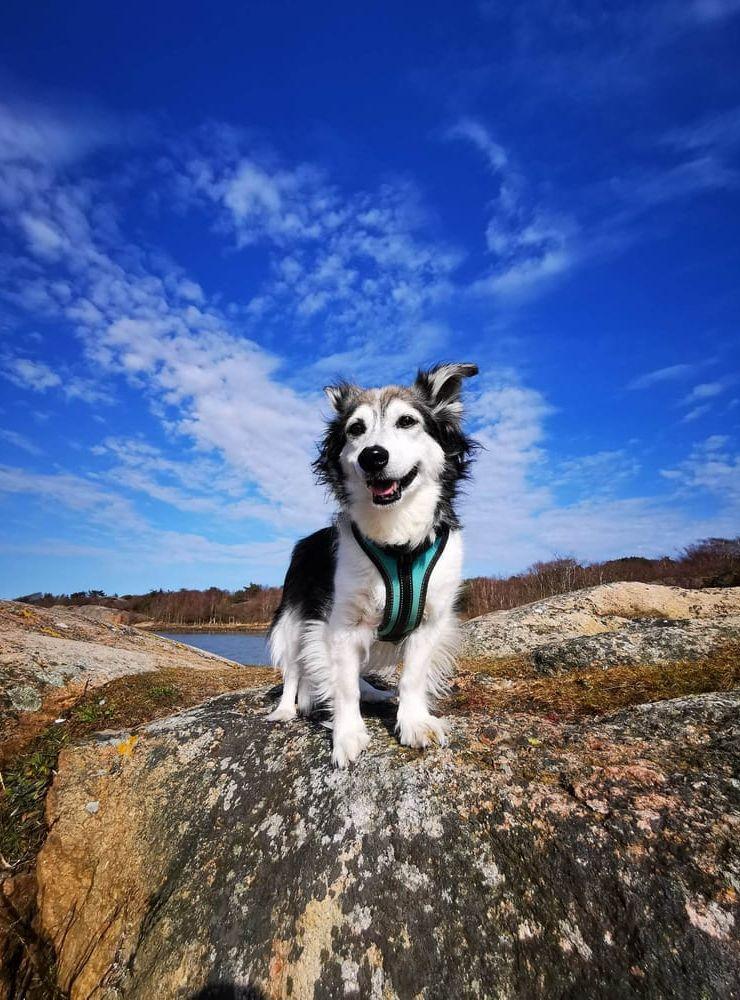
339	395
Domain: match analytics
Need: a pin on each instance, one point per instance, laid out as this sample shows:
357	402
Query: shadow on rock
229	991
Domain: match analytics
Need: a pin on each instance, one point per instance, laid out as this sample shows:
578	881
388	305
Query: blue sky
207	212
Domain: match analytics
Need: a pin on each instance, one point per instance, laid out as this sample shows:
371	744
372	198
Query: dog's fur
323	635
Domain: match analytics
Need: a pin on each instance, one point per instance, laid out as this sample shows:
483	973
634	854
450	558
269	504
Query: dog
380	585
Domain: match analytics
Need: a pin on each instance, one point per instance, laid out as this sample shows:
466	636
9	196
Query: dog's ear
440	387
339	395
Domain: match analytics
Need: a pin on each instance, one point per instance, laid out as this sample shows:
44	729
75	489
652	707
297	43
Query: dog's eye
406	421
356	428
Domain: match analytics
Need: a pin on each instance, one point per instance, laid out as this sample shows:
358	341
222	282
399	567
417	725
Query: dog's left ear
440	388
339	395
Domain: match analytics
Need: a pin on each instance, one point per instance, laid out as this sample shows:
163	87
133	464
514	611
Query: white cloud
696	412
596	474
714	10
713	468
514	517
20	441
74	492
714	132
531	246
208	382
659	375
37	376
28	132
525	276
706	390
478	135
134	538
43	239
364	265
28	374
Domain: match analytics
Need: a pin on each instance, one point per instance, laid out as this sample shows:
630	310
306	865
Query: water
242	647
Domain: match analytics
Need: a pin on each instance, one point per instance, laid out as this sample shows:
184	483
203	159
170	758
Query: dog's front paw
348	745
420	730
283	713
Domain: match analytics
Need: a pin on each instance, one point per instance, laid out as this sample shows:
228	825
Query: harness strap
406	577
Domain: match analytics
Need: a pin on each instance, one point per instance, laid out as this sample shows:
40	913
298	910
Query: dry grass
591	692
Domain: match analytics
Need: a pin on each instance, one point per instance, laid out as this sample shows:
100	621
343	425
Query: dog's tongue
384	491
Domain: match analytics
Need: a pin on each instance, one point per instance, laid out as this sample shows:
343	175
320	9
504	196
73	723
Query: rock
567	620
530	858
98	613
649	641
48	656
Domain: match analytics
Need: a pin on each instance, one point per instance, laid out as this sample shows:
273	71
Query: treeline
213	606
712	562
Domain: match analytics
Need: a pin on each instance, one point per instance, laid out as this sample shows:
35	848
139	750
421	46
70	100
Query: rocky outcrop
100	613
614	623
214	855
47	657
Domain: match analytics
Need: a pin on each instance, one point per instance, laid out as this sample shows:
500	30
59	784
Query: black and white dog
379	586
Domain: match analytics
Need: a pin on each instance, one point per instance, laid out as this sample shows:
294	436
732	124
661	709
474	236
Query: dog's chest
380	597
369	599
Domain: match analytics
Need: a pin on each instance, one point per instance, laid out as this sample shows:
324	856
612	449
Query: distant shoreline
253	627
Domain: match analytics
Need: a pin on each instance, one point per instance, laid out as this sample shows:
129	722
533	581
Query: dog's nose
373	459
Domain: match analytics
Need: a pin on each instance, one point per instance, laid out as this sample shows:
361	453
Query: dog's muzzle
388	491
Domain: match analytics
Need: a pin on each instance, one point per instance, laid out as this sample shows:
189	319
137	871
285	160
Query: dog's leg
305	696
284	651
428	657
373	695
286	706
347	647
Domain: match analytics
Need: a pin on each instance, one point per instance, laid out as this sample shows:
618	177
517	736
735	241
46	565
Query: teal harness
406	577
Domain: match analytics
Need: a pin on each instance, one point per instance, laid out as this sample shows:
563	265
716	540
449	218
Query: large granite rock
213	855
613	623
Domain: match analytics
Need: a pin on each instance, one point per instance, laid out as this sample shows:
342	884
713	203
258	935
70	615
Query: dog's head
393	457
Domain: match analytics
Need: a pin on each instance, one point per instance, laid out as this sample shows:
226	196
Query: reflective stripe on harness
406	577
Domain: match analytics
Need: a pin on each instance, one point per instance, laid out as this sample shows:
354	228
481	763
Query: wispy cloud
709	11
529	245
364	264
705	390
18	440
75	493
29	131
597	474
712	467
214	386
717	131
695	413
28	373
672	373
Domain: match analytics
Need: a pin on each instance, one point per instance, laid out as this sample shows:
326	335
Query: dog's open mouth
387	491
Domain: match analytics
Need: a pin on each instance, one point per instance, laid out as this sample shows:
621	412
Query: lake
242	647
